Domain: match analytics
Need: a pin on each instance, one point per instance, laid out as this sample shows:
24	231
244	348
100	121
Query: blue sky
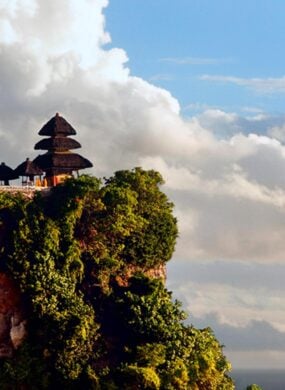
226	55
173	44
195	90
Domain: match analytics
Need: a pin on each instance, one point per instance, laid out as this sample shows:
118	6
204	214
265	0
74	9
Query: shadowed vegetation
95	320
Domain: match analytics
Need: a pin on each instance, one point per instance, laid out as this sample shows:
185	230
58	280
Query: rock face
12	319
158	272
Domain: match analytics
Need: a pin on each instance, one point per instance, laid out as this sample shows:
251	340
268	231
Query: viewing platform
27	191
53	167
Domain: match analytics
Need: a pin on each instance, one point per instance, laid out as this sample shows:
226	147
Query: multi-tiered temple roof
59	160
53	166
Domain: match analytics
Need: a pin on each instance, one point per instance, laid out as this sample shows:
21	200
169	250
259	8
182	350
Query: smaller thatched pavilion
6	174
28	170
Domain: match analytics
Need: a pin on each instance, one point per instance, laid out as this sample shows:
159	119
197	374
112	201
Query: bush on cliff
95	320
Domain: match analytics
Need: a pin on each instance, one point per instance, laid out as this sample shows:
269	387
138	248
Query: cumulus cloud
224	172
257	345
267	359
233	295
233	306
256	335
225	177
277	132
242	302
233	193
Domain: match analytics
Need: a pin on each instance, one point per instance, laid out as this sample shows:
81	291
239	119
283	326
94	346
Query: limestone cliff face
157	272
12	318
12	313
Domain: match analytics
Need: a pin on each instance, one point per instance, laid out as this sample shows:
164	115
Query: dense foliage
96	321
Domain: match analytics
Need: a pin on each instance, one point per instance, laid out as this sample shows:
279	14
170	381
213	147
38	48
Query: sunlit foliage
95	320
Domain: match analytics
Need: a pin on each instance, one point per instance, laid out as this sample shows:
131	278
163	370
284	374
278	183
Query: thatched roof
57	126
28	168
58	158
64	162
57	143
7	173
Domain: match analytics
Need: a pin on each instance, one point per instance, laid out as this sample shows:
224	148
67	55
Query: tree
96	321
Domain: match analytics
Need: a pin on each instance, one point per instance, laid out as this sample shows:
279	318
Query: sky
196	90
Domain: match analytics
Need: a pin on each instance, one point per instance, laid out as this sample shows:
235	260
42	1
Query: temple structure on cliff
6	174
59	162
28	171
56	164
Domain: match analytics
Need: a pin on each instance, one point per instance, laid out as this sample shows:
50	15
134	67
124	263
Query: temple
28	171
59	162
6	174
56	164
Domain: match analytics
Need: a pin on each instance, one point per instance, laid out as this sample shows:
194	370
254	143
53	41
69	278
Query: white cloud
218	175
10	8
266	360
268	85
222	124
253	110
277	132
234	184
242	302
226	179
223	180
161	77
233	305
7	34
195	60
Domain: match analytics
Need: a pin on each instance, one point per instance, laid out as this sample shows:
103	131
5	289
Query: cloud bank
228	184
244	304
224	172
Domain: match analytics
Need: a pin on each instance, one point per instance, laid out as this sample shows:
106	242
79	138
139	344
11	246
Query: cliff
82	296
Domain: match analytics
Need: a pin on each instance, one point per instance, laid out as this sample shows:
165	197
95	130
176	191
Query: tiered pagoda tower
59	162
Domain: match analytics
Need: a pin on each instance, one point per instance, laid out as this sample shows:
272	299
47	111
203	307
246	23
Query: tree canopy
83	258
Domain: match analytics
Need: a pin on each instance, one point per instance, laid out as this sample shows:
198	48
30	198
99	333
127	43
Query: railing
27	190
23	188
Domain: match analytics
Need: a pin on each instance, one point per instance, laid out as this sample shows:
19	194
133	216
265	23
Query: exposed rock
12	319
157	272
18	330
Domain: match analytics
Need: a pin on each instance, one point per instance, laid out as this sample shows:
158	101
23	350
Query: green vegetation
95	320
